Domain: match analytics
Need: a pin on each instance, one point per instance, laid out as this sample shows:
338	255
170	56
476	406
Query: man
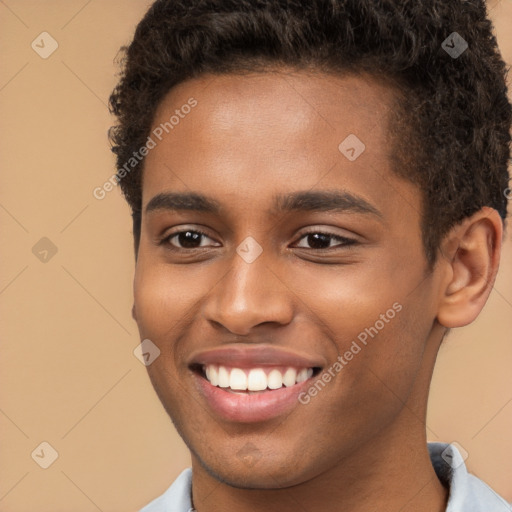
319	190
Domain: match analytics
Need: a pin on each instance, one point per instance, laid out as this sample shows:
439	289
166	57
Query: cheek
161	298
168	302
347	304
379	333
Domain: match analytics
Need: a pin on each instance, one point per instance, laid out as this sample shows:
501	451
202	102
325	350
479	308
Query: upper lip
251	356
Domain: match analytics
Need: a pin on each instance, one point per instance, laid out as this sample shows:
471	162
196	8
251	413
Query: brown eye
187	239
320	240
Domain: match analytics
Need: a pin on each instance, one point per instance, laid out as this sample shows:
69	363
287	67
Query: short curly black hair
452	117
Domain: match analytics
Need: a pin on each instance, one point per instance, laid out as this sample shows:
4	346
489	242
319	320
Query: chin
269	473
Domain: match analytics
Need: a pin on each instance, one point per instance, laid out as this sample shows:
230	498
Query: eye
187	239
192	238
320	240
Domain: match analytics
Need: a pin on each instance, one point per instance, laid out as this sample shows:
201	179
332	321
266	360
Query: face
293	266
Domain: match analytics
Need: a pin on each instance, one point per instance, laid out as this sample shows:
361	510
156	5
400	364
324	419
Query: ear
470	257
134	313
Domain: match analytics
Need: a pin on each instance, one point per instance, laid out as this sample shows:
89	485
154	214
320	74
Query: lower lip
248	408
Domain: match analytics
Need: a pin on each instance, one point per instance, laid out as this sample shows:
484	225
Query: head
349	102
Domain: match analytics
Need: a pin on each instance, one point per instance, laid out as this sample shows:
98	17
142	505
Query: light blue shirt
467	493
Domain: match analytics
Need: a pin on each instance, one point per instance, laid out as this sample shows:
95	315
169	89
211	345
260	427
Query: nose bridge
249	293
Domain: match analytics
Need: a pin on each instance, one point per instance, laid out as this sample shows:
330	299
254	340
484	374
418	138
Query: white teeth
302	375
289	377
238	379
275	379
223	377
213	376
255	379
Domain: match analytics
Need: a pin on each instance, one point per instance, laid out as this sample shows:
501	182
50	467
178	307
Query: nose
250	294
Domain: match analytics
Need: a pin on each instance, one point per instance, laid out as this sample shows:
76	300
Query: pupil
313	240
188	238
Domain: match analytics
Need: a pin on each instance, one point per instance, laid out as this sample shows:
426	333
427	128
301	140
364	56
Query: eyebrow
324	201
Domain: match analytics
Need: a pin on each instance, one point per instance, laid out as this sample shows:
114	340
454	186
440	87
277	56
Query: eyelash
345	241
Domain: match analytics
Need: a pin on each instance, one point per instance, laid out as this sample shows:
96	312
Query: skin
361	441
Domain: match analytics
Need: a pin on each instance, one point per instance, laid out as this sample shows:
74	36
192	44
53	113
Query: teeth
289	377
275	379
303	374
255	379
223	377
238	379
212	375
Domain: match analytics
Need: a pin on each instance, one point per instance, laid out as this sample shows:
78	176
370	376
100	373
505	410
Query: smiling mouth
253	380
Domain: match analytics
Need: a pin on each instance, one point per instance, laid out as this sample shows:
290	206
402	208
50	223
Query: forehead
299	103
250	137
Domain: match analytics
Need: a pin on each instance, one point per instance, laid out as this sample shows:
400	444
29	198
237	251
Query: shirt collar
466	492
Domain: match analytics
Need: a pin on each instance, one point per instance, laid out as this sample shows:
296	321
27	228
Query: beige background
68	375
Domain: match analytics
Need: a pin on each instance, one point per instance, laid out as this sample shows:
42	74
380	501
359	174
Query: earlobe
471	255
